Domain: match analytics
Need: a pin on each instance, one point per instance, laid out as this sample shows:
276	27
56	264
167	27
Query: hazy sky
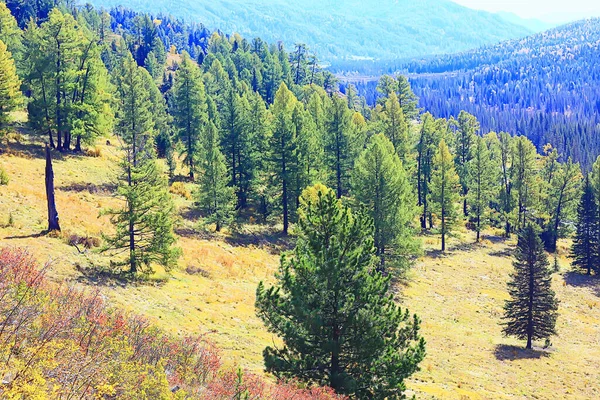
548	10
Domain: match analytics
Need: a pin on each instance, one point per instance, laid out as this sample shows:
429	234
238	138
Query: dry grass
458	295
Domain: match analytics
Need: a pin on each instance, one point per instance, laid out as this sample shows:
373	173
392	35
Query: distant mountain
345	29
532	24
545	86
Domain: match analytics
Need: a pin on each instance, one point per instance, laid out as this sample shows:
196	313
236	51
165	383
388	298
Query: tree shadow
30	236
581	280
435	253
105	277
505	253
103	189
505	352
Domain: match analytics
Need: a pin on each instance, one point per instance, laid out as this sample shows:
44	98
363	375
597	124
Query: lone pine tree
334	311
144	225
585	243
532	309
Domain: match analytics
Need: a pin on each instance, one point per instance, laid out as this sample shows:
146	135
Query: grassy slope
459	296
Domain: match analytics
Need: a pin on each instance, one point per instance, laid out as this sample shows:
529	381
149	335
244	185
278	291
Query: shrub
67	343
179	189
94	152
3	177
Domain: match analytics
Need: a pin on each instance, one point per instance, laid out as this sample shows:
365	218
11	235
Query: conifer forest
189	212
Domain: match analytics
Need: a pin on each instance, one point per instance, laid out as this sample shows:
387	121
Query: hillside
545	86
459	295
345	29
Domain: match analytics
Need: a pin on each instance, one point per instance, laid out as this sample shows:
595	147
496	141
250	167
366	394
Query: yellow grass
459	295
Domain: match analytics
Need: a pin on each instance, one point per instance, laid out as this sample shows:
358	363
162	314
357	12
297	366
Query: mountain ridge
346	29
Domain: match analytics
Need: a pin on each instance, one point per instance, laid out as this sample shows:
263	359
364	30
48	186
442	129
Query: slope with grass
345	29
459	295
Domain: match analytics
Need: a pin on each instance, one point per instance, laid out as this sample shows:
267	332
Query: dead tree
52	213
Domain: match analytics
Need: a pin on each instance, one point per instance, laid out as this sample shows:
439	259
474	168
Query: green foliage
10	88
586	245
467	127
215	197
524	182
482	183
3	177
395	126
532	309
69	86
445	186
144	226
380	182
191	111
334	311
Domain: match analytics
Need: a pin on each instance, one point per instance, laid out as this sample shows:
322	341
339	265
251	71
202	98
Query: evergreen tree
395	126
334	311
283	148
523	172
190	110
445	186
340	147
465	138
532	309
216	198
481	182
584	250
426	147
144	226
564	191
10	88
380	182
506	193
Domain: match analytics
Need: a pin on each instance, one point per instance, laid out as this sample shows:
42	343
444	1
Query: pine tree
215	198
334	311
144	226
481	182
340	147
10	88
380	182
283	148
445	186
523	172
532	309
395	126
506	193
465	138
563	194
426	147
190	110
584	250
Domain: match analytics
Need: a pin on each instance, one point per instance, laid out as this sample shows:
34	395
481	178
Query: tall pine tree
380	182
531	311
584	250
445	186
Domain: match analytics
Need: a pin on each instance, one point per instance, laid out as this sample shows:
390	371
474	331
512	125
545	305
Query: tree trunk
53	224
78	144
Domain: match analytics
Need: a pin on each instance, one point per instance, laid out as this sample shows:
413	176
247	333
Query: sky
555	11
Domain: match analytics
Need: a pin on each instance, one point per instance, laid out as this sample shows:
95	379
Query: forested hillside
342	29
188	187
545	87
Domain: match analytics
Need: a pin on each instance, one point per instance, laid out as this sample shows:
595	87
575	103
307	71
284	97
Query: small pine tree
445	185
215	198
334	311
532	309
3	177
585	243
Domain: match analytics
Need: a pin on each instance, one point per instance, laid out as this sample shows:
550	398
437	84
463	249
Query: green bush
3	177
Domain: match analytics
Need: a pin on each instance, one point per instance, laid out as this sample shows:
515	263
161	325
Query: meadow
458	295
